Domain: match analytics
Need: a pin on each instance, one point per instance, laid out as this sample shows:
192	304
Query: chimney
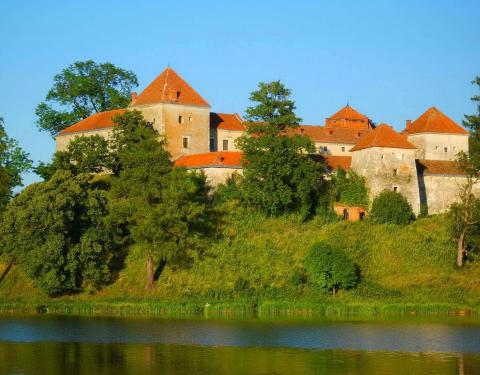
134	96
408	123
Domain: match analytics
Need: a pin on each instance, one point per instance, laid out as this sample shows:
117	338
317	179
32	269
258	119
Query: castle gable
383	136
169	87
434	121
349	117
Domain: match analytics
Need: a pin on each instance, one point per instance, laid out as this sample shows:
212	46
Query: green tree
279	176
82	89
391	207
472	122
57	233
464	215
13	162
84	154
350	188
330	268
163	208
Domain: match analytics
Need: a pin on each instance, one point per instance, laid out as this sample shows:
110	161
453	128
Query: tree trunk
149	272
460	249
334	291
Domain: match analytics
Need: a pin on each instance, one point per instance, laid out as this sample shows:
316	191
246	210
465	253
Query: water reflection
83	358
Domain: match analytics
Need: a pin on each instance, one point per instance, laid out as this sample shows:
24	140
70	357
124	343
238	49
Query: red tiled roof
211	159
442	167
383	136
348	113
226	121
349	117
335	162
169	87
332	134
434	121
100	120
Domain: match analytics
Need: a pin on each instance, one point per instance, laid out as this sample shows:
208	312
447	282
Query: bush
330	268
392	208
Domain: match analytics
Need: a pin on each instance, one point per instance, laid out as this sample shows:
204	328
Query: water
79	345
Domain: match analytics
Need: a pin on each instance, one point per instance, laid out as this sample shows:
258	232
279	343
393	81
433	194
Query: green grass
404	270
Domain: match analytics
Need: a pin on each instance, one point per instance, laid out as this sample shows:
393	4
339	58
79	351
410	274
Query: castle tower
387	161
176	110
436	136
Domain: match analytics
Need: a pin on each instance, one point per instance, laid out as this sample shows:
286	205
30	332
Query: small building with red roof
225	128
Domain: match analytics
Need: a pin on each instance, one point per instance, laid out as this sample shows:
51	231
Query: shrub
391	207
330	268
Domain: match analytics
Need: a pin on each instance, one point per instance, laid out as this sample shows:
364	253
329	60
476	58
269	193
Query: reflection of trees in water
90	359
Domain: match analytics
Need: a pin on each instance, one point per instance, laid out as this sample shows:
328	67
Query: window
325	148
394	172
212	144
436	147
180	119
445	149
225	145
395	189
185	142
343	148
190	118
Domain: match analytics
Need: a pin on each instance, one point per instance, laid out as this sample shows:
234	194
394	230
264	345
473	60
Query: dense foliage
391	207
13	162
349	188
279	176
329	268
57	233
84	154
164	208
472	123
82	89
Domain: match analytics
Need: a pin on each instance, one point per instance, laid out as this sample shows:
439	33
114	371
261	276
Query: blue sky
389	59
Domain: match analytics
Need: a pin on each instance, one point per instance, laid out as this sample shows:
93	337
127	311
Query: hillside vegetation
259	260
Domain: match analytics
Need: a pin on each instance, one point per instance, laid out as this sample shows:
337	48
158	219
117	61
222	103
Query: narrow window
394	172
190	118
185	142
395	189
212	144
180	119
445	149
325	148
345	214
343	148
225	145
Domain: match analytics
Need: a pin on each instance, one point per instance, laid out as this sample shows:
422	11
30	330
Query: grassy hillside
256	261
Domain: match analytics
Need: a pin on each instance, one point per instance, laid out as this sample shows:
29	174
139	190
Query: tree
472	122
391	207
82	89
330	268
279	176
164	208
350	188
13	162
465	214
57	233
84	154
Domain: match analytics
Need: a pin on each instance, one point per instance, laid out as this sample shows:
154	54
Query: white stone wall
62	140
389	169
336	149
443	190
218	175
436	146
228	135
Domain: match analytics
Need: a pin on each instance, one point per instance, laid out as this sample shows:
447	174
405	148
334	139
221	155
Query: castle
417	162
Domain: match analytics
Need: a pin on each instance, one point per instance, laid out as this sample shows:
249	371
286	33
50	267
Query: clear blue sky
389	59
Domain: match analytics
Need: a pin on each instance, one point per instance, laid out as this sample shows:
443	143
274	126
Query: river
46	344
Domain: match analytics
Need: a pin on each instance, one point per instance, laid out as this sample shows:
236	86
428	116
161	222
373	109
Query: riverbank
266	310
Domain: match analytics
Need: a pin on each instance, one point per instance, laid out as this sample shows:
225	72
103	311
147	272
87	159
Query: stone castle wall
438	146
389	169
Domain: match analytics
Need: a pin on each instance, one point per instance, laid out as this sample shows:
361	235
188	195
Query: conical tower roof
169	87
383	136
